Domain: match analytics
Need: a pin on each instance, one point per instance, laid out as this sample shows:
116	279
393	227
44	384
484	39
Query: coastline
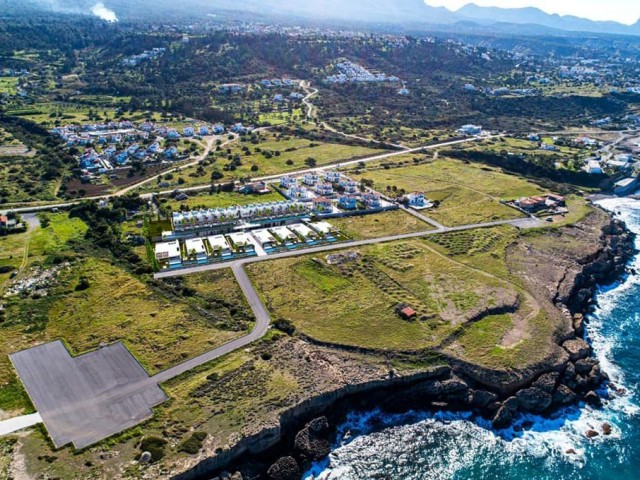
305	431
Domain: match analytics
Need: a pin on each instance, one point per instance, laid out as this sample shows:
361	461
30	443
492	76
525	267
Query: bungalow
241	241
218	129
264	238
297	193
257	188
416	199
188	131
146	127
332	176
169	252
288	182
173	134
626	186
310	179
204	130
219	245
406	312
348	203
238	128
534	137
324	189
195	249
278	98
558	200
296	96
531	204
372	200
154	148
171	152
593	167
322	205
121	158
471	129
352	187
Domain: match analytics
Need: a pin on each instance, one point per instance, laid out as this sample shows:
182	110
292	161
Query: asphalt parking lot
85	399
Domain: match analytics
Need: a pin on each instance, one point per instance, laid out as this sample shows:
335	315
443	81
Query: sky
623	11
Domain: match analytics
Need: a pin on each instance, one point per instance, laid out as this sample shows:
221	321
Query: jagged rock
585	365
578	324
237	476
577	349
547	382
482	398
511	403
286	468
595	376
453	386
569	376
606	429
591	434
312	443
581	382
533	399
593	399
503	418
571	451
563	396
432	388
145	457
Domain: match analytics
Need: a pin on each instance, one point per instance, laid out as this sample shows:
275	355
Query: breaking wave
445	445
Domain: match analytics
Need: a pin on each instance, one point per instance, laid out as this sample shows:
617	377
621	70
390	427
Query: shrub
83	284
285	326
155	446
193	444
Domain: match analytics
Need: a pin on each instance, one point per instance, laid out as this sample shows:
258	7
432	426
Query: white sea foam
448	445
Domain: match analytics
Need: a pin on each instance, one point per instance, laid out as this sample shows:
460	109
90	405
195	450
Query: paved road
520	223
259	330
18	423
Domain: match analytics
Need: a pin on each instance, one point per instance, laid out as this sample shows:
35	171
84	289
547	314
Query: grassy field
220	200
354	303
466	193
380	225
9	85
41	241
286	155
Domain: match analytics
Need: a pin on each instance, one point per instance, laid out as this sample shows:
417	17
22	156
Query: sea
461	446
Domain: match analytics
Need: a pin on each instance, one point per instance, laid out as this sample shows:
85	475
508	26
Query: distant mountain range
404	12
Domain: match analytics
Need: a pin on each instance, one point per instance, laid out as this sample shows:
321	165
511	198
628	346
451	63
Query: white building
471	129
195	249
284	234
264	238
219	245
241	240
303	231
169	252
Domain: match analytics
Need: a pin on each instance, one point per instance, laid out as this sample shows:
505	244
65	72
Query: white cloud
623	11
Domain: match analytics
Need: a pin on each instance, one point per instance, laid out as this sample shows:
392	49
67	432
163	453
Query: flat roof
323	227
219	241
239	238
626	182
196	244
263	236
283	232
167	249
88	398
302	229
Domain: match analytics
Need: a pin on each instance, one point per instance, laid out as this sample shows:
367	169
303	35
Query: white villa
195	248
219	245
288	182
264	238
323	227
333	176
284	234
310	179
169	251
241	240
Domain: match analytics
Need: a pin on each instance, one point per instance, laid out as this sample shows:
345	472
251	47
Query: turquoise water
459	446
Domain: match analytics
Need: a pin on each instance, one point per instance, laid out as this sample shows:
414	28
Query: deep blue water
458	446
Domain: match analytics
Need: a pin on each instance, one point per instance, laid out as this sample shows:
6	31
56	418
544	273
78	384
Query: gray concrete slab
85	399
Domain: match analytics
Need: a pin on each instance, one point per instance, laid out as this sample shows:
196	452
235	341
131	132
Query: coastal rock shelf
567	280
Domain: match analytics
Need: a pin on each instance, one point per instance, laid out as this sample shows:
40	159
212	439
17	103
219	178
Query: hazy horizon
622	11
